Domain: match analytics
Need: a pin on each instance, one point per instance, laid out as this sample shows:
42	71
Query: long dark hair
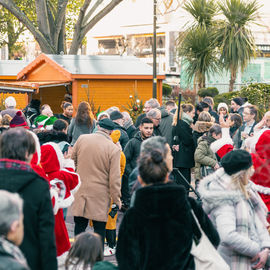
84	115
86	250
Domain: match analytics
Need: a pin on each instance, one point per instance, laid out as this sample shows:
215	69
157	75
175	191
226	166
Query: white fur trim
54	194
69	163
216	145
37	145
72	191
66	202
59	153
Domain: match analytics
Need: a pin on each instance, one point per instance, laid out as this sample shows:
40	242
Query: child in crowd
84	253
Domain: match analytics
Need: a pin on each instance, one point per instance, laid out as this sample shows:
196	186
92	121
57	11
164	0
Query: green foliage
134	107
209	91
258	94
166	89
202	11
199	52
233	35
225	97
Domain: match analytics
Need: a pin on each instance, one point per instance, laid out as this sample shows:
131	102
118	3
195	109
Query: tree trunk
232	80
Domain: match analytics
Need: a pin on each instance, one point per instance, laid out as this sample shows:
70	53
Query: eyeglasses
158	119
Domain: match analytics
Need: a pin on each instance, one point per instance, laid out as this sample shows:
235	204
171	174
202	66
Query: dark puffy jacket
38	244
165	125
124	136
132	152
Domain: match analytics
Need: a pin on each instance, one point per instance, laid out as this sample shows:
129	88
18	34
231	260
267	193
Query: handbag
205	255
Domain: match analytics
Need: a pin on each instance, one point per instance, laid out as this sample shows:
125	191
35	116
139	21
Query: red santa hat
18	121
223	145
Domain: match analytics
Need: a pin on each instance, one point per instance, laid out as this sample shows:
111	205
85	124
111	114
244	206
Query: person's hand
175	147
244	135
68	153
261	257
216	166
223	123
120	205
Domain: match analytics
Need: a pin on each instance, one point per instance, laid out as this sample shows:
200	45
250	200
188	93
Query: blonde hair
205	116
183	108
240	180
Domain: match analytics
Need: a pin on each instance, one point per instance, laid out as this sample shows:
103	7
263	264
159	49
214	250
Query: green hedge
208	92
257	93
166	90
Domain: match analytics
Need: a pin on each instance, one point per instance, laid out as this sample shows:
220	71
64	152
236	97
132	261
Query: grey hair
102	114
154	143
152	113
11	206
153	103
112	109
126	115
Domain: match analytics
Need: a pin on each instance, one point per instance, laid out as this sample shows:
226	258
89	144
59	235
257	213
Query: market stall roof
93	66
28	87
10	68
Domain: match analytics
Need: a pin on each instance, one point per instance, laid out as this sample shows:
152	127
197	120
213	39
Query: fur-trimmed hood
216	189
202	126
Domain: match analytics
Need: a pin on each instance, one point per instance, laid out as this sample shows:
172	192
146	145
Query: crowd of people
95	166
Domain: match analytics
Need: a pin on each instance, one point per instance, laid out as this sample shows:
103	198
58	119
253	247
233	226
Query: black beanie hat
235	161
106	124
239	101
116	115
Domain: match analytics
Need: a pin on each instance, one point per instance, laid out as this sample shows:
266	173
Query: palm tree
200	54
235	39
197	44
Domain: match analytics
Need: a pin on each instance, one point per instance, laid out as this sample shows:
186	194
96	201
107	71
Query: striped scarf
255	205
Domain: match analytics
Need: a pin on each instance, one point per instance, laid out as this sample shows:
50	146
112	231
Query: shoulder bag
205	255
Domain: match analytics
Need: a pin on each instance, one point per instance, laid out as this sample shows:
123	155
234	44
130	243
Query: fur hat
236	161
222	105
10	102
115	115
18	121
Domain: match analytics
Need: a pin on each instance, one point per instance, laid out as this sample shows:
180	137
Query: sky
140	12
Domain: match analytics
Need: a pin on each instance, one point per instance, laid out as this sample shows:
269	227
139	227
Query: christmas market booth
103	81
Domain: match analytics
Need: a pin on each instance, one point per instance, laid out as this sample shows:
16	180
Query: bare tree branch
43	42
61	12
91	11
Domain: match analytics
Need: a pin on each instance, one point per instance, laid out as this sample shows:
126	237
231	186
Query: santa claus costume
260	147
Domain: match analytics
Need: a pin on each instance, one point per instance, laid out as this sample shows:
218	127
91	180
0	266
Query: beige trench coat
97	161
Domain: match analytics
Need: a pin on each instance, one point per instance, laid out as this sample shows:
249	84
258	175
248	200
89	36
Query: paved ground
70	228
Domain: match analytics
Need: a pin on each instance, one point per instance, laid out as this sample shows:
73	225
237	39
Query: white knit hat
222	105
10	102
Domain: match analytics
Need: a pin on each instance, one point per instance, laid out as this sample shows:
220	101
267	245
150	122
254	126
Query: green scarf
186	118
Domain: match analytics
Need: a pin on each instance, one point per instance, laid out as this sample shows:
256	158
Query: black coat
182	136
131	131
123	137
38	244
132	152
157	232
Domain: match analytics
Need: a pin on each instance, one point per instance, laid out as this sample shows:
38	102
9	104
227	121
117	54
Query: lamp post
154	49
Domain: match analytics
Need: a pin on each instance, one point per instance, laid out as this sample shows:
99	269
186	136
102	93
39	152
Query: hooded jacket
124	136
38	244
132	152
200	128
158	230
165	125
53	164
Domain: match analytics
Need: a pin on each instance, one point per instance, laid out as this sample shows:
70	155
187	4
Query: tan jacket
97	161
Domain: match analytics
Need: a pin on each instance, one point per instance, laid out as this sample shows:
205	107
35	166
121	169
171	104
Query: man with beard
132	152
